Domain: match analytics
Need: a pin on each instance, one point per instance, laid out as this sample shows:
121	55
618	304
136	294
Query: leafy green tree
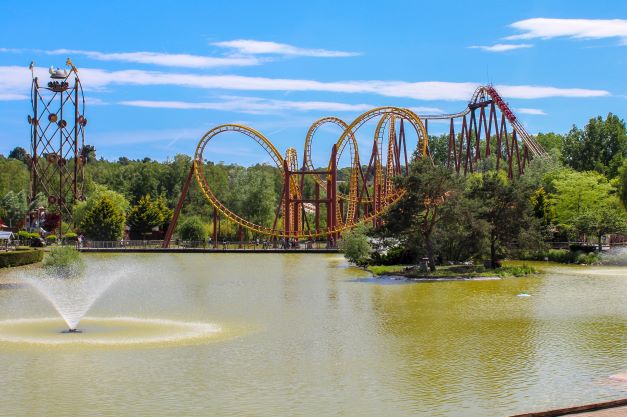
506	209
193	229
20	154
14	176
14	207
542	207
104	220
579	192
144	216
622	183
355	245
601	146
551	141
600	221
98	191
415	217
164	211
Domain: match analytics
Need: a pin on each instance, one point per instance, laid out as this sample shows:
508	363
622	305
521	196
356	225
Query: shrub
64	261
70	237
21	257
193	229
355	246
23	235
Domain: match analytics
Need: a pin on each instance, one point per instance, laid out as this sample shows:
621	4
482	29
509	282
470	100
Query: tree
14	207
13	176
578	192
143	216
601	146
355	245
99	191
622	183
506	209
193	229
20	154
89	153
165	212
601	221
415	217
104	220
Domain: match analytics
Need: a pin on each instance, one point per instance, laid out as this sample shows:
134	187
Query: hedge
22	257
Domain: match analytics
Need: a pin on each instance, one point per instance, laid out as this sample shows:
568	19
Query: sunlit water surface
305	335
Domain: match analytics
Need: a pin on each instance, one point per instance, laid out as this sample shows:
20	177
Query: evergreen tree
104	221
144	216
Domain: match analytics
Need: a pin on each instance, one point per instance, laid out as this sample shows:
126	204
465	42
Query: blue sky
157	75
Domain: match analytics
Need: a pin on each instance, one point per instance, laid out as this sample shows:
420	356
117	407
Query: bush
396	255
65	261
70	237
23	235
194	230
50	239
563	256
21	257
355	246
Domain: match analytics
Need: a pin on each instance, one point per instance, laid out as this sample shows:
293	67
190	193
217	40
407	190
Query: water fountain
74	291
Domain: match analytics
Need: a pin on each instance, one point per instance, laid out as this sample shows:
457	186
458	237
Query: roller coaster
487	127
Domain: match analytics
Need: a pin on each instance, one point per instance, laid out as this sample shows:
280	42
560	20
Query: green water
306	335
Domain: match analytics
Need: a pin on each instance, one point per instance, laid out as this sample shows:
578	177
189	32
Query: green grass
455	271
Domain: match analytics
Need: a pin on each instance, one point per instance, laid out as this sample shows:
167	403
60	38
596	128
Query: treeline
579	193
586	171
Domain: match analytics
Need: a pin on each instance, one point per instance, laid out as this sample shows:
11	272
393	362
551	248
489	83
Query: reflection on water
329	340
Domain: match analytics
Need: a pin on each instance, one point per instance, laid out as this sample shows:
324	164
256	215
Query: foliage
622	176
14	207
70	237
193	229
103	221
601	146
355	245
563	256
96	194
13	176
600	221
395	255
143	216
64	261
20	257
505	207
414	219
20	154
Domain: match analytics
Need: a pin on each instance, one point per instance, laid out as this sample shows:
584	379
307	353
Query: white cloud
12	96
534	112
16	80
168	60
253	47
544	28
502	47
251	105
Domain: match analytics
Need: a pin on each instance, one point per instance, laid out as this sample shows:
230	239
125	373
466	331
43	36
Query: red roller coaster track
487	127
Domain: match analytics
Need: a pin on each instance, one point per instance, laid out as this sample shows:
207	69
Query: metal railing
222	245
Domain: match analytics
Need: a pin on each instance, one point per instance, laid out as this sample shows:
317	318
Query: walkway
617	408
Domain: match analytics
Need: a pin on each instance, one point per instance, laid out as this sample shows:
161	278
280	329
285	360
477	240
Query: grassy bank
454	271
20	257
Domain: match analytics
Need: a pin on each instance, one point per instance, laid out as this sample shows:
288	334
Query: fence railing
222	245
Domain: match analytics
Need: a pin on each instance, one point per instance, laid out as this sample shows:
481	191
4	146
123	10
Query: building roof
6	235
